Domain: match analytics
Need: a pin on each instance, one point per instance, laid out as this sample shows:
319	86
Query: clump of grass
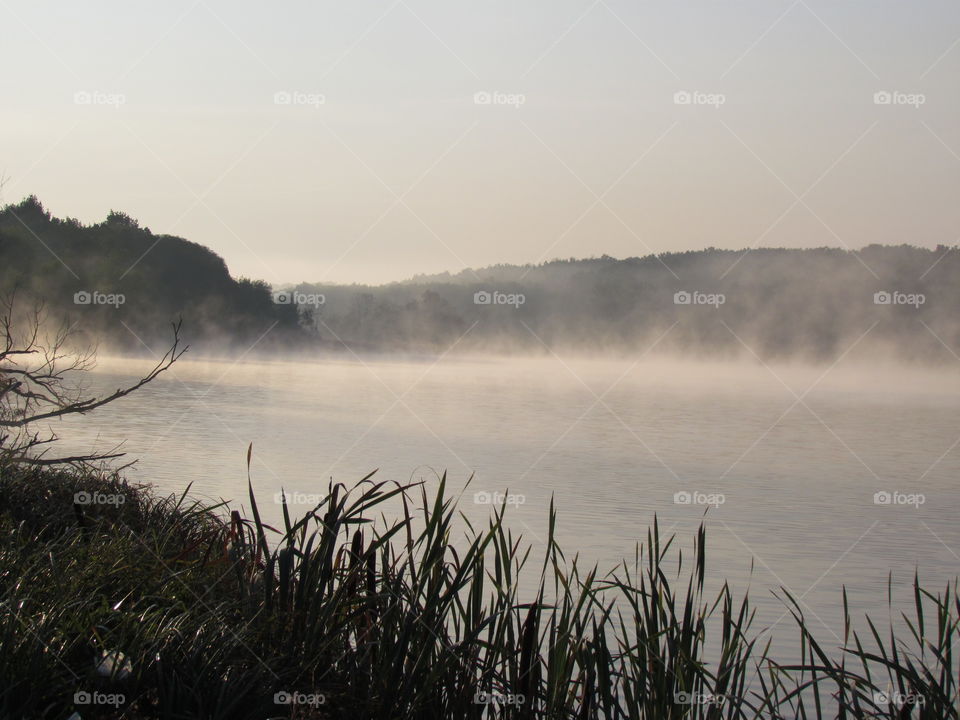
352	612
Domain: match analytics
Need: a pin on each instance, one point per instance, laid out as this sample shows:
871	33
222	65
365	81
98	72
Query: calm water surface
612	441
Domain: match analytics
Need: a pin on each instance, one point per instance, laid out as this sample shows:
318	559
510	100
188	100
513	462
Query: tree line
123	284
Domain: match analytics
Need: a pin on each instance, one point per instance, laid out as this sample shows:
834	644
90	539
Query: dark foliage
162	278
779	303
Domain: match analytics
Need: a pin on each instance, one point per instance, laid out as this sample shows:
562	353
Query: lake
783	463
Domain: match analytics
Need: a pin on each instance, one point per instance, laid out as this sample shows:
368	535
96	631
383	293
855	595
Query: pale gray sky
170	112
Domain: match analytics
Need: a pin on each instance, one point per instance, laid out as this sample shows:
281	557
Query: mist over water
785	485
647	269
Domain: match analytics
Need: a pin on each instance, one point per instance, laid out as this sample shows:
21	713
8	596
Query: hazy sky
383	163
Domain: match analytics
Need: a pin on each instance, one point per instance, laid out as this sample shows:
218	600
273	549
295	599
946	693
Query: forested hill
773	303
121	284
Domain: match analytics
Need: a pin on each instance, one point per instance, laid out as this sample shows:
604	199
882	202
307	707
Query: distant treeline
122	285
774	303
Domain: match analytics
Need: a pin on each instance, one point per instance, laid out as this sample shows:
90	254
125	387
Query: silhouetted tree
40	377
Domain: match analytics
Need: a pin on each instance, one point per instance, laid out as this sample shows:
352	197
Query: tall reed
383	601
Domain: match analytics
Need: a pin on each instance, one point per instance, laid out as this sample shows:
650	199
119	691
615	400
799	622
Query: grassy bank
119	602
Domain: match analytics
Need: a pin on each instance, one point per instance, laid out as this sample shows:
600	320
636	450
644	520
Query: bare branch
35	384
